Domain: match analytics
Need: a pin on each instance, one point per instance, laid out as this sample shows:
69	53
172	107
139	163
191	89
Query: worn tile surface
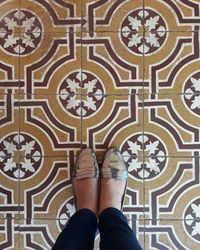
100	74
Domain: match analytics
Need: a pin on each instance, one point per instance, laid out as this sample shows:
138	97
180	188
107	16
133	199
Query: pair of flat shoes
113	167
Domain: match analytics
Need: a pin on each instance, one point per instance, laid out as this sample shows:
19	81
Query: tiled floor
100	73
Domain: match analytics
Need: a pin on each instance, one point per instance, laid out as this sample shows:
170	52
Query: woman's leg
115	232
79	233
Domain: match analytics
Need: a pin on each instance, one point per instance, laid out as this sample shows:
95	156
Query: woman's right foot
113	181
86	181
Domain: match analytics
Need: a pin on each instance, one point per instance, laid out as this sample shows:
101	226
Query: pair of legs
99	196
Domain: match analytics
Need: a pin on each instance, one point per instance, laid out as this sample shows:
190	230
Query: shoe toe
86	165
114	165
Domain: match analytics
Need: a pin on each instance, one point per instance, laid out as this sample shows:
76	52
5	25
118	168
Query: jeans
80	231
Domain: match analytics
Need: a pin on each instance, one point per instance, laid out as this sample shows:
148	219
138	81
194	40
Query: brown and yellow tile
9	50
101	74
43	68
55	125
112	60
10	42
9	174
173	119
9	190
9	234
173	16
169	189
171	65
38	234
51	16
171	234
45	188
103	127
110	15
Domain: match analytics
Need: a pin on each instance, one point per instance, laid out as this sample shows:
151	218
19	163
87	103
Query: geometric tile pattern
100	73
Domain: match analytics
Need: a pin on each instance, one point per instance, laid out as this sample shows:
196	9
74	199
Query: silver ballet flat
114	167
86	165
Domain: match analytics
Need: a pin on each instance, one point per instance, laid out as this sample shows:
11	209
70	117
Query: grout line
19	128
120	31
143	126
81	62
142	220
109	32
102	151
115	94
19	122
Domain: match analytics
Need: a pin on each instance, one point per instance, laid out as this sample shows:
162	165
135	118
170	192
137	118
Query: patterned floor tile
9	70
55	127
10	49
171	234
9	121
172	15
9	234
170	186
109	15
52	16
47	67
174	121
45	187
101	74
172	65
9	66
9	155
134	199
115	64
6	14
9	192
104	127
38	234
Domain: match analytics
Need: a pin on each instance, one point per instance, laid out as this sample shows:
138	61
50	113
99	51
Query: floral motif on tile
20	156
192	85
66	211
192	219
21	32
138	22
144	155
192	93
81	93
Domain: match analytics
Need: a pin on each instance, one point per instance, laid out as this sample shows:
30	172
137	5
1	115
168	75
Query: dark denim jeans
115	233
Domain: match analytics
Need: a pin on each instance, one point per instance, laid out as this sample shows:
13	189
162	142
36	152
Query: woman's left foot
114	177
